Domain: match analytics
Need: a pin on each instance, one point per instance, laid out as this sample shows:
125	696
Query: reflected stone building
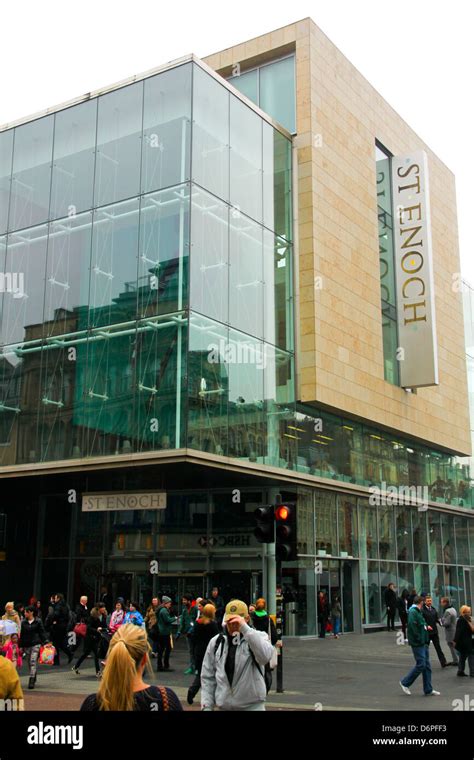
202	251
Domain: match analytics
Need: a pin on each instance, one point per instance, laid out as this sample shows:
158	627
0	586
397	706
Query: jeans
462	662
190	643
336	625
423	667
31	656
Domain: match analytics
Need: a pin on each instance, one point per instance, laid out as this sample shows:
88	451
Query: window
272	87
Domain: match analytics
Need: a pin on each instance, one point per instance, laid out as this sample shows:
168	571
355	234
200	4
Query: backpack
220	644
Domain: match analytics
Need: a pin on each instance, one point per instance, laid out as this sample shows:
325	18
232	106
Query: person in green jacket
419	640
164	622
186	626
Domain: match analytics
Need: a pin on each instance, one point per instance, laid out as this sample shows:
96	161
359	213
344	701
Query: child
12	651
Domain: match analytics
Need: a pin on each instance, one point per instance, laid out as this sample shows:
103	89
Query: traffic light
286	534
265	530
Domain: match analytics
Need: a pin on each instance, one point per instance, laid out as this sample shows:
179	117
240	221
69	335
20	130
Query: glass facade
148	274
273	88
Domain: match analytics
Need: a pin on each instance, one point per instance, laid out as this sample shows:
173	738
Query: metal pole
279	628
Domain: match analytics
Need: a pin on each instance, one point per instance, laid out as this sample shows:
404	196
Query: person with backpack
262	621
233	669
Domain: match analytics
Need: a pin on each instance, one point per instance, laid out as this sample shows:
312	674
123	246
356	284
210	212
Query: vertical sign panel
414	271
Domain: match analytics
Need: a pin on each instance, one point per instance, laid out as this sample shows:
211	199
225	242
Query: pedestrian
106	598
150	625
12	615
96	623
218	603
133	615
390	599
117	617
323	613
431	616
336	612
122	687
419	640
448	621
164	622
402	606
82	611
57	623
32	637
10	686
232	673
411	597
463	641
262	621
11	650
185	628
204	630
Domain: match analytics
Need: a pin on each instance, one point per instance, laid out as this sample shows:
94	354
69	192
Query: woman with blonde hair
122	687
205	628
463	641
13	617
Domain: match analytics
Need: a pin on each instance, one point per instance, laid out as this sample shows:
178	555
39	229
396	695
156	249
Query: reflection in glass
245	159
164	249
246	275
113	279
210	134
210	256
278	294
166	129
73	159
6	150
117	173
277	91
31	176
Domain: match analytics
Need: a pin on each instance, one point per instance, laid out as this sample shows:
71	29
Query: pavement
354	672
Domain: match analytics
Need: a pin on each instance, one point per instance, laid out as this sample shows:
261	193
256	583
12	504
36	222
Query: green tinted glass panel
245	159
6	148
277	92
210	134
247	84
31	177
246	275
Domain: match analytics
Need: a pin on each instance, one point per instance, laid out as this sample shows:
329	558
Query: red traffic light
282	513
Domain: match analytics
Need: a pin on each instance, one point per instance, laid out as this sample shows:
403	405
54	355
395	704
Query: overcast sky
418	55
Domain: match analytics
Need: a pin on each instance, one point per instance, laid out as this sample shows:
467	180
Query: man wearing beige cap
233	669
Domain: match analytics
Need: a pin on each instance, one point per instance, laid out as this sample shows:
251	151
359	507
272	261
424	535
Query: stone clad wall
340	353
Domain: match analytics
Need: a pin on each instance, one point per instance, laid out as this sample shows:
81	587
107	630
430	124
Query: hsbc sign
414	271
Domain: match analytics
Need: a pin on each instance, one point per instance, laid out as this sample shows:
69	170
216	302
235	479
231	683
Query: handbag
80	629
47	654
328	627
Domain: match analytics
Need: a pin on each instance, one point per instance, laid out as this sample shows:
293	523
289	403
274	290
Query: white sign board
115	501
414	271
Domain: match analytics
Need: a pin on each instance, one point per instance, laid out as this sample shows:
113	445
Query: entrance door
339	579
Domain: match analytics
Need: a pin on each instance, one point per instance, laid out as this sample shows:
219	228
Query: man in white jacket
233	669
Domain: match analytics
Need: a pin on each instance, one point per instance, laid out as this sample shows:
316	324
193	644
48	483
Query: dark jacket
58	619
390	598
416	631
463	636
261	623
402	605
82	614
432	618
32	633
201	636
323	609
218	603
93	624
